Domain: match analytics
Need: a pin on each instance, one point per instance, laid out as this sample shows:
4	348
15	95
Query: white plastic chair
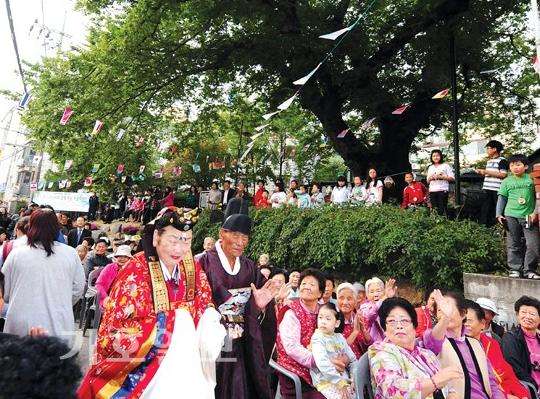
362	378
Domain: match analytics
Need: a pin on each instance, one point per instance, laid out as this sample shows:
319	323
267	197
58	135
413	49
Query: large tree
147	56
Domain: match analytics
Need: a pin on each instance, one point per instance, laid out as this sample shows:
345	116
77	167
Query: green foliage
365	241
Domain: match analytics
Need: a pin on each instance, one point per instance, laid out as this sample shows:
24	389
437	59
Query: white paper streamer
303	81
271	114
262	127
287	103
336	34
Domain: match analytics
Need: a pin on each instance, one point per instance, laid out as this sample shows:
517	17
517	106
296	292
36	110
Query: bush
359	242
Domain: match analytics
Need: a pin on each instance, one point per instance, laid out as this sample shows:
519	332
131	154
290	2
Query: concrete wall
503	291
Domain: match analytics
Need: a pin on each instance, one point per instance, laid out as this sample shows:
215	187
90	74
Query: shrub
359	242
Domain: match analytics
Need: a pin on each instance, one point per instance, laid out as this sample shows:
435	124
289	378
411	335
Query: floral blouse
396	373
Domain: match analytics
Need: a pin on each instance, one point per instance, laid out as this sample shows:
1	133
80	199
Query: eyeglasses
403	322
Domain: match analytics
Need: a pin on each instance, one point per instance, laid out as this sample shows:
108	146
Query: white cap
487	304
123	250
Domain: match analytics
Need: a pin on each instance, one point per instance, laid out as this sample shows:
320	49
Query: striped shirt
498	164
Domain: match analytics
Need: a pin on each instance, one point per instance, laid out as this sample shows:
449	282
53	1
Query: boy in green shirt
515	209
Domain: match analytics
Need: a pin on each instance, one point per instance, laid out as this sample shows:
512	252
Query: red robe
132	339
504	374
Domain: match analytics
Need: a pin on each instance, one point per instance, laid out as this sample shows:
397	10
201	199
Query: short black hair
329	277
390	304
459	299
342	178
260	181
409	173
36	367
276	270
316	184
495	144
518	158
480	314
315	273
527	301
436	152
89	240
339	316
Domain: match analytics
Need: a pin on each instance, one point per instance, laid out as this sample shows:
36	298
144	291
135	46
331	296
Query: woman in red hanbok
152	293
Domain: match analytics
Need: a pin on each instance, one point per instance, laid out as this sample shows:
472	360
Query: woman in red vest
297	322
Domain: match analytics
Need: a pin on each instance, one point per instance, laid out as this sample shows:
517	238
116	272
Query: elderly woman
355	332
465	353
297	322
376	292
400	369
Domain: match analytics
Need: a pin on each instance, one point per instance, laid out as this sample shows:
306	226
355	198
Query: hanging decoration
441	94
120	134
139	141
271	114
68	183
51	184
120	169
287	103
88	181
536	64
24	101
158	174
196	168
177	171
68	111
124	178
262	127
367	124
61	184
68	164
338	33
95	168
141	169
303	81
343	133
400	110
97	127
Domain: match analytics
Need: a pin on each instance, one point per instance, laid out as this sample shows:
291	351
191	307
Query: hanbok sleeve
203	294
389	378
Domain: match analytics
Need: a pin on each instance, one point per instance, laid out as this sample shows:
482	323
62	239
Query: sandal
532	276
514	274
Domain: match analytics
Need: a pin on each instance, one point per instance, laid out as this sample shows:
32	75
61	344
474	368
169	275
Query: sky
56	15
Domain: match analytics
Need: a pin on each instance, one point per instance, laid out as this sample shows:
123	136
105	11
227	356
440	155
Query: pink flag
68	111
536	64
177	171
343	133
97	127
88	181
441	94
120	168
367	124
400	110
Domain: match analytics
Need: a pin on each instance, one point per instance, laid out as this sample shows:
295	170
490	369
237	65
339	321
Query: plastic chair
531	388
289	374
362	378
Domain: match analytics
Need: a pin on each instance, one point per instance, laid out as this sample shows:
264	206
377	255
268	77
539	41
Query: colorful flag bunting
139	141
120	134
336	34
88	181
400	110
95	168
256	136
120	168
536	64
177	171
24	101
158	174
249	147
287	103
68	164
97	127
219	164
303	81
61	184
441	94
343	133
196	168
367	124
124	178
271	114
141	168
68	183
68	111
51	184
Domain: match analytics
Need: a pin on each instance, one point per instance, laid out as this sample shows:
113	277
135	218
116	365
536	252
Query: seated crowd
450	347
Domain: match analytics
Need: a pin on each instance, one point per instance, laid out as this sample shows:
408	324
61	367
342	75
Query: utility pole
15	47
455	132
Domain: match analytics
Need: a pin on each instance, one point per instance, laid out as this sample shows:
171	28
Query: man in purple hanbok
242	295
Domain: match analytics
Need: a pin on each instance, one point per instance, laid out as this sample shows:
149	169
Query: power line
10	18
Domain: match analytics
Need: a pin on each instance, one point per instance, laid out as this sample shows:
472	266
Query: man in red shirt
504	374
415	193
257	198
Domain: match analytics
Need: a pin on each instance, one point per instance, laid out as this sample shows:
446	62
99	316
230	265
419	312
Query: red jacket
258	198
506	379
415	194
424	321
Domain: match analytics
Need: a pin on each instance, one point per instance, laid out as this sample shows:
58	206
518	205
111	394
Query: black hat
181	219
238	223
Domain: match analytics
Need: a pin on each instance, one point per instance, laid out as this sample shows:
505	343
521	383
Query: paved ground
85	353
